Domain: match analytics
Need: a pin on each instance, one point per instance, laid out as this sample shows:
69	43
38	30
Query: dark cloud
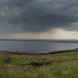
37	15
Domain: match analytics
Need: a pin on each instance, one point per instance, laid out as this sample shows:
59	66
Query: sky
40	19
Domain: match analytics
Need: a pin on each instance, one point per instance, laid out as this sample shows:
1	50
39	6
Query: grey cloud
37	15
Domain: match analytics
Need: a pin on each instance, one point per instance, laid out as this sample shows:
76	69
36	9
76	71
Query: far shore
37	53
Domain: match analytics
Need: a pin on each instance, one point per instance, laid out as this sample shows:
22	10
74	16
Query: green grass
63	65
63	70
54	58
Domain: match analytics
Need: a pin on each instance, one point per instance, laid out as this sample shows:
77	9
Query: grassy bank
58	65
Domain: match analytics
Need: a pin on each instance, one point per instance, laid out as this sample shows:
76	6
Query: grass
62	65
63	70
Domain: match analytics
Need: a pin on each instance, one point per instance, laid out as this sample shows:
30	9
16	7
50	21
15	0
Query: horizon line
49	40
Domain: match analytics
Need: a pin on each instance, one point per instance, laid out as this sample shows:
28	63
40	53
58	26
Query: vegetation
59	65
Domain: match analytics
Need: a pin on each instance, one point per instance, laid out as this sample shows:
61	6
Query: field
58	65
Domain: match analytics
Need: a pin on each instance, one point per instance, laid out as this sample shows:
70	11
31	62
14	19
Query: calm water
35	46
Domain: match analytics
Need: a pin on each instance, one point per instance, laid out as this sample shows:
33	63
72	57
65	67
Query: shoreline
37	53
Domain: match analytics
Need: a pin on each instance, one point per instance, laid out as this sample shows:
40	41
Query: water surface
36	46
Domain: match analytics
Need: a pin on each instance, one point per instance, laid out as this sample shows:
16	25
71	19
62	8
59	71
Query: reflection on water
35	46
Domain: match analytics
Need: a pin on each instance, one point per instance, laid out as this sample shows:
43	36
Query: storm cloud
38	15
